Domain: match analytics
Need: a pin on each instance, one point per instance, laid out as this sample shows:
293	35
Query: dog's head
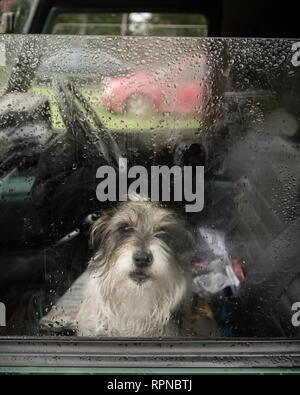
142	244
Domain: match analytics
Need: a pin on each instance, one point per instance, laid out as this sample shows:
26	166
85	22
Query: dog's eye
125	228
161	231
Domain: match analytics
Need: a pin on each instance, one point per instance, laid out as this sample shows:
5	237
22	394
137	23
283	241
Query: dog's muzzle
142	260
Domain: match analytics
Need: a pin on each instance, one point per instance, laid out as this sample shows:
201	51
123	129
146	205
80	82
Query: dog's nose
143	258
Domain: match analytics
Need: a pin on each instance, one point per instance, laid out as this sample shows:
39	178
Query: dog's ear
99	230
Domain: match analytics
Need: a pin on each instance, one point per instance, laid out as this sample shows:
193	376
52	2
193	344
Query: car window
149	187
129	24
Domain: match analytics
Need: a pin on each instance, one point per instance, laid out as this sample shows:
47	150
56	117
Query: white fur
116	306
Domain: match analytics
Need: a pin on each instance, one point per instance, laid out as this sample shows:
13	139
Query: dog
139	276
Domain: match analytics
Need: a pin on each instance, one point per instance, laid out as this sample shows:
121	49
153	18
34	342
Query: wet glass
211	126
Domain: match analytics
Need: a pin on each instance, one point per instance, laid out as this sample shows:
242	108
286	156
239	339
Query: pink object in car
175	88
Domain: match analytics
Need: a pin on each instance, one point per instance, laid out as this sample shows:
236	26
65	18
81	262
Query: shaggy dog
139	275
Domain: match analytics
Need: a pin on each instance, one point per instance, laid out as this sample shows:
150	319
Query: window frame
150	354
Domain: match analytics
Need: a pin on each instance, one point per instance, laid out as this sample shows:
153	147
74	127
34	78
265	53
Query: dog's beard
122	304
